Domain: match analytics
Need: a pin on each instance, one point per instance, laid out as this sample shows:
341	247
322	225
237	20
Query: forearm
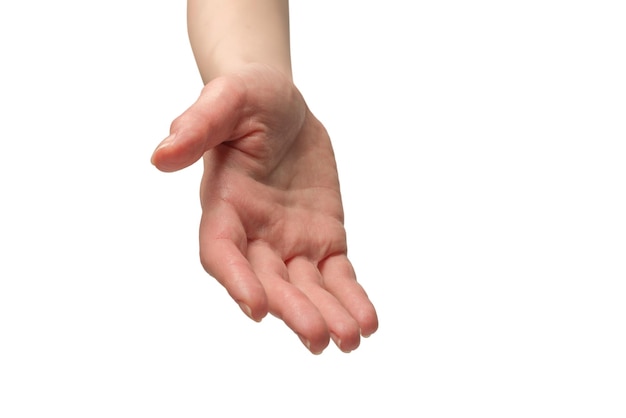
227	34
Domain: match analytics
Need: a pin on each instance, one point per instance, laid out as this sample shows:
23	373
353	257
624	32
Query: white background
481	149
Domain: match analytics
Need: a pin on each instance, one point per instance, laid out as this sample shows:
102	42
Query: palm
272	224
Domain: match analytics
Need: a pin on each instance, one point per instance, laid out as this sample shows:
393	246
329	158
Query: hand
272	219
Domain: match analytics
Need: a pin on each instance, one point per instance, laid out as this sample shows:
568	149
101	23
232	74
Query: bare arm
227	34
271	230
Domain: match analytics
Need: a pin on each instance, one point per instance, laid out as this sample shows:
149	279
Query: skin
272	229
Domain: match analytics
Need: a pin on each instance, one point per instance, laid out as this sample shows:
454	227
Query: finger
222	247
210	121
344	329
285	301
339	279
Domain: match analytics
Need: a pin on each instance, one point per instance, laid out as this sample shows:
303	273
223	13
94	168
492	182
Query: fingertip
369	324
256	314
314	334
316	347
246	309
250	296
178	151
156	158
346	347
346	335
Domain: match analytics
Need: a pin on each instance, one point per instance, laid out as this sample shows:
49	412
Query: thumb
210	121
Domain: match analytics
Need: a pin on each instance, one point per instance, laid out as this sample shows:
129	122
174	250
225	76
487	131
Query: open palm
272	220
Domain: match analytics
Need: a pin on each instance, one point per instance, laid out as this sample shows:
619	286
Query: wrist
226	35
224	62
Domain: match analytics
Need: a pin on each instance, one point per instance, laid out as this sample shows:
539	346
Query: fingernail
166	142
246	309
307	343
336	339
366	335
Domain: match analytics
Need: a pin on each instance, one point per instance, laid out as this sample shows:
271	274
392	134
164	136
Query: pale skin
271	230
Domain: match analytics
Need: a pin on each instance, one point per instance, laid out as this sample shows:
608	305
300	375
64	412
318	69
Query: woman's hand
272	220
